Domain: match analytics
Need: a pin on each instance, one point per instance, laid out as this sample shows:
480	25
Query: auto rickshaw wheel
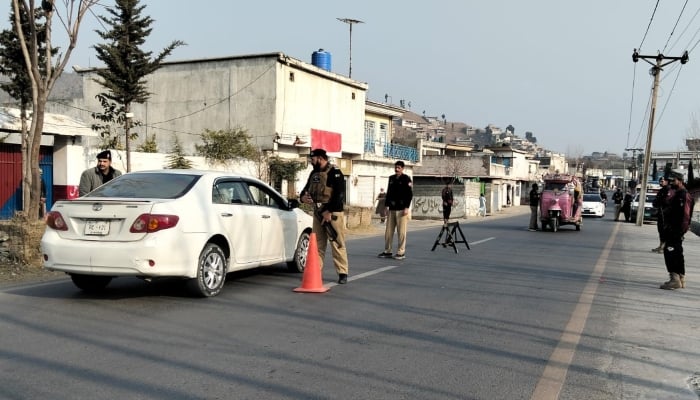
578	227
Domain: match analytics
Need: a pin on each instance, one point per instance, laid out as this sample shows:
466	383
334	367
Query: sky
562	70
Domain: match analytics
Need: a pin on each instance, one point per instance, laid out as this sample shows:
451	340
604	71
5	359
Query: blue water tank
321	59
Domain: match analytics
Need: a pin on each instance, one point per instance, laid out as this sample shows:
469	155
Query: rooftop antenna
350	22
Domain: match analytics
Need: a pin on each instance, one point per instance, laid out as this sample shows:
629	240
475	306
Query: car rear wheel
90	283
211	272
299	262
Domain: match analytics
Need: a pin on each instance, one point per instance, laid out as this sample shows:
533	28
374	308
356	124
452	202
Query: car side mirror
293	203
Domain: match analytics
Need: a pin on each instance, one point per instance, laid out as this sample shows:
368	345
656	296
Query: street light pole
350	22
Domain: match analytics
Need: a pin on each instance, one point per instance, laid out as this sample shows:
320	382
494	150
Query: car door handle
226	215
266	216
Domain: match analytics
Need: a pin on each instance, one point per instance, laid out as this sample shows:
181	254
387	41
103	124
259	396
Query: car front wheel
90	283
211	272
300	254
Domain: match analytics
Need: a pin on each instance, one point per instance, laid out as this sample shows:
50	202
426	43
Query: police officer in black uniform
325	189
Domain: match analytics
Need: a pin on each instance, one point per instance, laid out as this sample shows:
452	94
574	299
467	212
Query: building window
291	76
383	132
369	136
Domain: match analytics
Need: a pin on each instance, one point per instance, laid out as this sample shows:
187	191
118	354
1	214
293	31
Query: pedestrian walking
534	203
325	189
676	224
399	194
482	205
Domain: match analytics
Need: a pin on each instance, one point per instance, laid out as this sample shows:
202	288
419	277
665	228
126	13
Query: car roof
198	172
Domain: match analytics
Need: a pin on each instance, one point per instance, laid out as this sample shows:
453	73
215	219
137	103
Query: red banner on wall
329	141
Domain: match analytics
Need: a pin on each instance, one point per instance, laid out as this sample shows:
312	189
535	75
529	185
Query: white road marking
482	240
390	267
364	275
552	380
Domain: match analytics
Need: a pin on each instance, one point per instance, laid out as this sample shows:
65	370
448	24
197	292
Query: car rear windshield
592	197
147	186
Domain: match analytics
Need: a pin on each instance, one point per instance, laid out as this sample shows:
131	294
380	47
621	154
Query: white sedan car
198	225
593	205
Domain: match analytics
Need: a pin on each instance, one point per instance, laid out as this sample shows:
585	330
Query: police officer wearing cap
92	178
326	189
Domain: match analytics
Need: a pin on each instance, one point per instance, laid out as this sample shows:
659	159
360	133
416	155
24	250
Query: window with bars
369	136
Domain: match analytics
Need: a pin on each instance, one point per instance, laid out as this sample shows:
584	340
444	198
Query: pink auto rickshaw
561	201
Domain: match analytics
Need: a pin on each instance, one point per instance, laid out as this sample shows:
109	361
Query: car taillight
149	223
55	220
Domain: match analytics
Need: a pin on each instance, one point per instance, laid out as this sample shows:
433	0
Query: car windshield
561	186
147	186
592	197
648	199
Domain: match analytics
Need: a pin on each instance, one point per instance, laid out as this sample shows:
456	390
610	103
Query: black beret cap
677	175
105	155
318	153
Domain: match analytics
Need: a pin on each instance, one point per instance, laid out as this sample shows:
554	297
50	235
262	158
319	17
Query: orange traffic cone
311	281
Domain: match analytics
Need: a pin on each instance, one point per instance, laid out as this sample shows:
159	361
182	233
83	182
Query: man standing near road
326	189
447	201
92	178
676	224
399	194
617	199
534	203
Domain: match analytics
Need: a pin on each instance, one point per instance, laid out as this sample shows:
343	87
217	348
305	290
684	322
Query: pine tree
126	64
691	174
176	159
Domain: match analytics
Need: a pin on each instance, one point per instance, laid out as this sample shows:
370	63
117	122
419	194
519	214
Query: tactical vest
319	191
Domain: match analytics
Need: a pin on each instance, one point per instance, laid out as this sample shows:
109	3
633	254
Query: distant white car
650	212
593	205
197	225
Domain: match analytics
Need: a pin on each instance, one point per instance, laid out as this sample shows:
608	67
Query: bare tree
43	77
453	169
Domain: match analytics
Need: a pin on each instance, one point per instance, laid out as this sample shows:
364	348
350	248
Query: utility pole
656	72
350	22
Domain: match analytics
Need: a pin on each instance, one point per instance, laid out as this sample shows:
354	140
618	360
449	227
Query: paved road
514	317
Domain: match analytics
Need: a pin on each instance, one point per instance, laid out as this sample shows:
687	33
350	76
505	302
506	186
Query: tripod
451	229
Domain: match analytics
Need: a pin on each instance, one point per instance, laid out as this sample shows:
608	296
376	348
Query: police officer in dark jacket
617	199
676	224
325	189
399	194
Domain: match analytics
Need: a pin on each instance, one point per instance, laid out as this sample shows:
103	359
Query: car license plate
96	227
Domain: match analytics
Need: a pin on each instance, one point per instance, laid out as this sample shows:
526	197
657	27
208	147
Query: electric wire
668	98
645	120
686	29
649	25
629	124
674	26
